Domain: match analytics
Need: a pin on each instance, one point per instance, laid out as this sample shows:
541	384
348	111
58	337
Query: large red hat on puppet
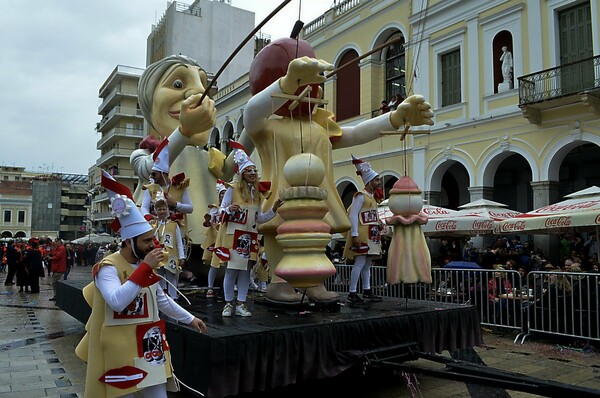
271	63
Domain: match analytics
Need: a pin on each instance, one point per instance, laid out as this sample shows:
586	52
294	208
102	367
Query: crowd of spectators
26	261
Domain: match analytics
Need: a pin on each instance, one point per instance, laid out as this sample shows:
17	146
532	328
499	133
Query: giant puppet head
272	62
163	86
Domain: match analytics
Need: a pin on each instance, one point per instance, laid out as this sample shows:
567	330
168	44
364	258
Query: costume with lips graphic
126	351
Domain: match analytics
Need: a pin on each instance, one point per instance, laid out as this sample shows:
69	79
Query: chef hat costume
220	186
240	157
129	221
363	169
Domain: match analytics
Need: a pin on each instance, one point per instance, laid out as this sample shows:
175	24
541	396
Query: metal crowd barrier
564	304
558	303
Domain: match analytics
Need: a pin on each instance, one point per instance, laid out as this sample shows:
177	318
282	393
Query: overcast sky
55	56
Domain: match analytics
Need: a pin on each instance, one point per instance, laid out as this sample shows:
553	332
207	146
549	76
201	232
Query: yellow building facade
521	128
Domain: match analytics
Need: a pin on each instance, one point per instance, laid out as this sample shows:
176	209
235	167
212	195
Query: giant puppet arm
413	111
141	159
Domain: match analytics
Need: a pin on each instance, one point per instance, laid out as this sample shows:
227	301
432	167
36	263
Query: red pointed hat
221	186
161	157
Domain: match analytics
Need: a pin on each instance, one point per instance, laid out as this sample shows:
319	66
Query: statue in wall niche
507	70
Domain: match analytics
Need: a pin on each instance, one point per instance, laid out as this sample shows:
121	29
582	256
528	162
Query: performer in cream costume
125	346
168	93
277	138
168	234
237	241
173	190
363	242
211	222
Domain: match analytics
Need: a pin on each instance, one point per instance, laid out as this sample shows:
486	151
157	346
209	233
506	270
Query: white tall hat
161	157
240	157
129	221
221	186
160	197
364	170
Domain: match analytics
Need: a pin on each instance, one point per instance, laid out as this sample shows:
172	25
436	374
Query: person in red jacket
59	264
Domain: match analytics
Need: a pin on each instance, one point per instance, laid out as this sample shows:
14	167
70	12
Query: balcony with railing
575	82
115	152
103	216
117	92
337	11
121	111
119	132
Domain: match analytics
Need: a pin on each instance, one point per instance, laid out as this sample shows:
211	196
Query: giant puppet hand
197	118
414	111
303	71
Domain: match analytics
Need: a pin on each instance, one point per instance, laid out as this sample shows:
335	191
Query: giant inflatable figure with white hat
125	345
284	68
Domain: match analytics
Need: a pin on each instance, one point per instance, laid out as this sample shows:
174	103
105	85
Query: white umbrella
446	222
581	210
489	209
94	238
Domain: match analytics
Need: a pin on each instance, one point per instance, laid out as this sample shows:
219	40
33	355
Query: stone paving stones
37	359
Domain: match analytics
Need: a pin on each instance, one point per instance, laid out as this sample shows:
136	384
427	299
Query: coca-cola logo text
449	225
510	227
558	222
482	225
503	215
566	207
436	211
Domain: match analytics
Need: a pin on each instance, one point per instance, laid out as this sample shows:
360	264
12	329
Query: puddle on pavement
40	339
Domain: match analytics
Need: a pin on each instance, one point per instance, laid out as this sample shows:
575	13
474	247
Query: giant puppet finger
414	111
302	71
195	119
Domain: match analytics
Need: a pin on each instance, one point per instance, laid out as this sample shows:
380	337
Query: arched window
395	66
213	141
348	88
227	135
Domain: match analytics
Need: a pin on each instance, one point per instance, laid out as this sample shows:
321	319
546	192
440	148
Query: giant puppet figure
168	92
287	66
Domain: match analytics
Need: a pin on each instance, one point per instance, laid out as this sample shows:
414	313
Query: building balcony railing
101	197
117	90
119	132
103	216
115	152
338	10
561	81
118	110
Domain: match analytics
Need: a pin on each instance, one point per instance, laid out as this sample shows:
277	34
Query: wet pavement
37	359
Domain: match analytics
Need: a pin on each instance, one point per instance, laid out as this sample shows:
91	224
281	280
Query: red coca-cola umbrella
580	210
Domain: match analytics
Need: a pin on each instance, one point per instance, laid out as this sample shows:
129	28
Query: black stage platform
278	347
